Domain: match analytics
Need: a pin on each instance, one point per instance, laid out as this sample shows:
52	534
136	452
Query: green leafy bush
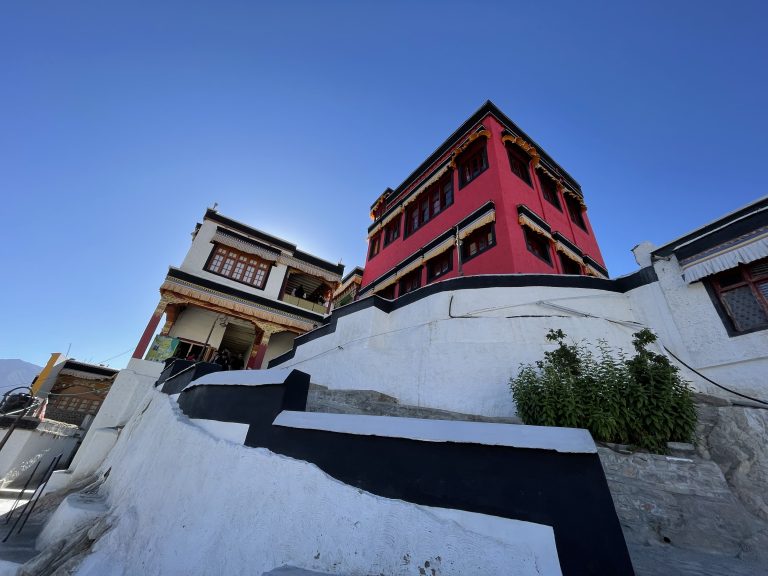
641	400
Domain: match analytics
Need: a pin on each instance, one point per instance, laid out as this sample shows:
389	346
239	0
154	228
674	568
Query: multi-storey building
238	289
489	200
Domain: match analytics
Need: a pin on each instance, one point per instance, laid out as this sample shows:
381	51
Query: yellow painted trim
46	372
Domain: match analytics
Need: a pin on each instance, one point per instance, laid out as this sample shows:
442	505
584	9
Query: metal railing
29	505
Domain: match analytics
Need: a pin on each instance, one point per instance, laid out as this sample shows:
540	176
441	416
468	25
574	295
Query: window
410	281
440	265
478	242
518	162
575	210
373	248
538	244
392	231
429	204
743	294
549	191
412	220
388	292
569	266
473	163
241	267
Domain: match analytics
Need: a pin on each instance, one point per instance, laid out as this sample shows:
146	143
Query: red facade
488	201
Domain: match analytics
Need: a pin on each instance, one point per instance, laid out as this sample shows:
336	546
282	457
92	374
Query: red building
489	200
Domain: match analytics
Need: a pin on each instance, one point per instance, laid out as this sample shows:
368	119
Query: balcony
306	304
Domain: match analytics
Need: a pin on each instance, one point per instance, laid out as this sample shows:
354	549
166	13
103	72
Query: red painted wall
500	185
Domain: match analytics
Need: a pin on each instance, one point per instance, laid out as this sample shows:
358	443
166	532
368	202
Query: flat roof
213	215
487	108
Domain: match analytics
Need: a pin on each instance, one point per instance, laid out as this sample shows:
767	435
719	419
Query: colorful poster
162	348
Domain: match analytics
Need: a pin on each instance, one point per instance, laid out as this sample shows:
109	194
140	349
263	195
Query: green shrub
641	400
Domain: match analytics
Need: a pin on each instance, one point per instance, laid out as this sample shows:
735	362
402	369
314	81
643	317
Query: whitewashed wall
688	324
26	447
130	386
423	357
198	254
167	497
279	344
195	324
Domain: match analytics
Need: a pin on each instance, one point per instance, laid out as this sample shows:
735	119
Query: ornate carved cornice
464	145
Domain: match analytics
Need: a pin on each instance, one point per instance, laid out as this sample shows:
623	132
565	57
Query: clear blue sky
121	122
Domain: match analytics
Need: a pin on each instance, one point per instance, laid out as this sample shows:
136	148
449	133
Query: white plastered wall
195	260
130	386
26	447
195	324
279	343
423	357
279	511
687	322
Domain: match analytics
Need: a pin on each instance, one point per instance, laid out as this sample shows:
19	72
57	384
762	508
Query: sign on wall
162	348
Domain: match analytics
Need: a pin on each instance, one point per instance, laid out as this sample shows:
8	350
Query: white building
241	289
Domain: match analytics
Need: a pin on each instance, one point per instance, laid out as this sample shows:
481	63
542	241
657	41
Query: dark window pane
518	162
569	266
549	190
744	309
448	192
478	241
538	244
730	277
472	165
574	209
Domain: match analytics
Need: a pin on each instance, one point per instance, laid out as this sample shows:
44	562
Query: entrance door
238	339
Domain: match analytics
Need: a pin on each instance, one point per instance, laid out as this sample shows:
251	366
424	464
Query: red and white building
489	200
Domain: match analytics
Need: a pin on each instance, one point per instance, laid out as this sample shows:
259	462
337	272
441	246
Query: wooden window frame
478	235
392	231
716	289
388	292
516	154
374	246
565	262
445	260
478	152
405	284
258	265
442	190
552	194
531	237
576	212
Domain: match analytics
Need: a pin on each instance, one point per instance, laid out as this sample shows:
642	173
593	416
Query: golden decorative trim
210	301
525	221
477	223
375	230
572	194
568	253
592	271
387	283
446	244
426	184
528	148
472	137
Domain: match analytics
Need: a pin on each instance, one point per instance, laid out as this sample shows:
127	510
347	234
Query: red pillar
148	331
257	358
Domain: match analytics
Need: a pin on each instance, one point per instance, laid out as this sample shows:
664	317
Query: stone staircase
372	403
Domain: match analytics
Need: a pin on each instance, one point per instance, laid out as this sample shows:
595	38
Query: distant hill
16	373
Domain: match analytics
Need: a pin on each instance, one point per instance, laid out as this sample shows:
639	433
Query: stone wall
736	438
705	512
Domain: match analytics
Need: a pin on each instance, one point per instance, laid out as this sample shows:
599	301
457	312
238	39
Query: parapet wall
244	481
457	349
